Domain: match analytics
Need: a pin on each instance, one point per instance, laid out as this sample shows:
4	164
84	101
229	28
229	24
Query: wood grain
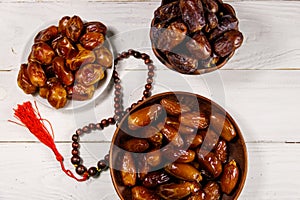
33	173
263	102
271	30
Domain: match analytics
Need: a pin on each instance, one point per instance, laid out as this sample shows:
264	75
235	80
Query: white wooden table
259	87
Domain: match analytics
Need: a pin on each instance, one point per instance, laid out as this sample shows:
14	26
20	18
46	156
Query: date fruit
209	162
81	92
175	191
41	53
92	40
192	14
74	28
36	74
144	117
184	172
24	82
57	96
47	34
128	170
229	177
194	120
173	164
199	42
136	145
212	191
182	63
199	46
142	193
89	74
228	42
104	56
174	107
171	36
153	179
71	50
62	72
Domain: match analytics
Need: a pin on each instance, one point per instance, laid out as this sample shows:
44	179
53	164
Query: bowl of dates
178	145
67	64
195	36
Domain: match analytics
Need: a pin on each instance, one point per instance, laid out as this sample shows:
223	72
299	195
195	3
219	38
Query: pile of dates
195	35
66	61
177	150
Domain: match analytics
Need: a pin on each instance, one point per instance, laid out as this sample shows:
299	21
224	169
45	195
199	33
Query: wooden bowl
237	147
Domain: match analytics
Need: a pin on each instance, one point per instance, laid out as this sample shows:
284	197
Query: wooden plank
263	102
270	30
30	171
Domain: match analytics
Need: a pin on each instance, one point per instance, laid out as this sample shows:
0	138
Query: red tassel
32	119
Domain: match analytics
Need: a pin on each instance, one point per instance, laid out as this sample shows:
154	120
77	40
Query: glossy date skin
128	170
228	42
199	46
104	56
81	92
142	193
36	74
173	35
209	162
167	12
64	47
41	53
74	28
62	72
184	172
153	179
24	82
96	27
174	107
89	74
57	96
47	34
92	40
175	191
192	14
182	63
144	117
229	177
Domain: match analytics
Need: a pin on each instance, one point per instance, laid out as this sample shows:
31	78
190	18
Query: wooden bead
92	171
86	129
102	164
99	126
104	122
75	145
92	126
145	56
146	93
75	152
111	120
75	160
79	131
150	74
148	86
75	138
80	169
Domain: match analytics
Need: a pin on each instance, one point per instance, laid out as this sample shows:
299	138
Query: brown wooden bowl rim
160	55
165	94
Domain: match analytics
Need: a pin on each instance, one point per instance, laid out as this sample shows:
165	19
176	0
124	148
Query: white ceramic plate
71	104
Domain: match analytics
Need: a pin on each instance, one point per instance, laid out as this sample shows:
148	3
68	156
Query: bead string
119	113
